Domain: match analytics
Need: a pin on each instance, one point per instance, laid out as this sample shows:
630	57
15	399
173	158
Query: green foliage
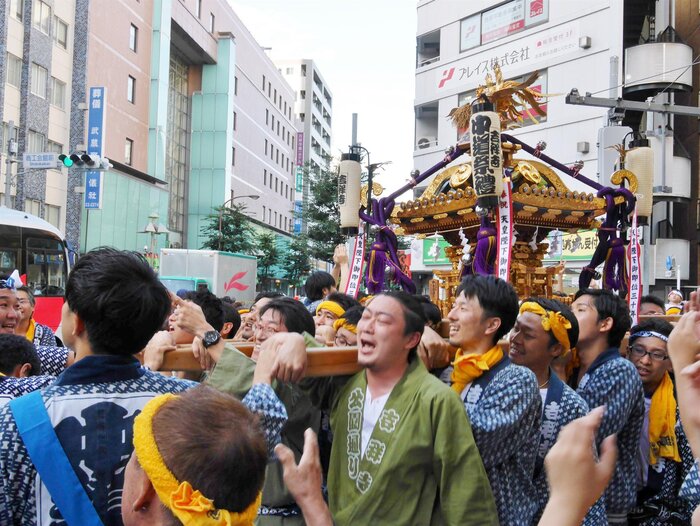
268	254
322	213
237	234
297	262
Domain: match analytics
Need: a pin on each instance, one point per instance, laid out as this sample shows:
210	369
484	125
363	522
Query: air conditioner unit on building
426	142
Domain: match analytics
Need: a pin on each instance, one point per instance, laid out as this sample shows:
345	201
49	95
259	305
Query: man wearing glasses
664	455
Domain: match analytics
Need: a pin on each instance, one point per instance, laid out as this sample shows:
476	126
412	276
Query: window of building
53	215
269	89
275	97
58	93
277	159
128	151
276	184
235	85
60	33
233	156
54	147
275	223
269	215
131	89
278	127
36	142
212	21
198	8
41	18
265	177
14	70
303	70
235	120
17	9
290	71
33	206
265	146
133	37
302	116
264	210
38	80
264	82
273	123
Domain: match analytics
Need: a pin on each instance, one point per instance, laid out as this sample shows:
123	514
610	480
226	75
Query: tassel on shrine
615	268
376	268
485	254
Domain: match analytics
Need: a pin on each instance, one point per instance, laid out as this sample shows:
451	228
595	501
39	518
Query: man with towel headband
545	330
664	455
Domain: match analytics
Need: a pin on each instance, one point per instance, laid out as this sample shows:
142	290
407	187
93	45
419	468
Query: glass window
58	93
33	206
198	8
235	85
41	16
212	21
54	147
14	70
470	32
60	32
235	120
233	156
131	89
53	215
35	142
45	267
39	77
133	37
17	9
128	150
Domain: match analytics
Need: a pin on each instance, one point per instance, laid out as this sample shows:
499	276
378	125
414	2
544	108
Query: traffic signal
85	161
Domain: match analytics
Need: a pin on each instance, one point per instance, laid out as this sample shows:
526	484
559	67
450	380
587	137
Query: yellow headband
343	323
553	322
243	311
331	306
186	503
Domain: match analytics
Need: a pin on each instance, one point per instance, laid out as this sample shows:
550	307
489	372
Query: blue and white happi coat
561	406
662	502
614	382
504	408
92	407
12	387
43	336
53	359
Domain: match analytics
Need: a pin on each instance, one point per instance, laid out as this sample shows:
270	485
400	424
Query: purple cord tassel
485	254
615	269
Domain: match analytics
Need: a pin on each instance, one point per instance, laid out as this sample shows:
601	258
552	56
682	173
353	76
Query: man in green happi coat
403	450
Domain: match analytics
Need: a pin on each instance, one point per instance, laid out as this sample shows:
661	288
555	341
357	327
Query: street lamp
154	228
254	197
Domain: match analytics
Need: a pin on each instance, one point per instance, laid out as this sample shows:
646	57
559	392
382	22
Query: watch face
210	338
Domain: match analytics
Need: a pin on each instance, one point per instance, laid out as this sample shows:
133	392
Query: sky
365	51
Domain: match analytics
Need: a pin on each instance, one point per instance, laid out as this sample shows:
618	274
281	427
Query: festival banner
505	231
635	266
357	263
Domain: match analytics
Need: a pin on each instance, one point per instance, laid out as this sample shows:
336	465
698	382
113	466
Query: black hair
430	310
496	297
650	298
316	282
610	305
29	293
558	306
17	350
345	301
295	316
268	294
353	314
651	324
231	316
412	315
119	299
212	307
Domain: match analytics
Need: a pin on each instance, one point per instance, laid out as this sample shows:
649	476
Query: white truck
223	273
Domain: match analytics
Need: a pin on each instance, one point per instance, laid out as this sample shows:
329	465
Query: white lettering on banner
529	51
505	231
635	266
357	262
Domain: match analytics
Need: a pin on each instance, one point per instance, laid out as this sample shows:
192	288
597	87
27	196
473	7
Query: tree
322	213
237	234
268	254
297	263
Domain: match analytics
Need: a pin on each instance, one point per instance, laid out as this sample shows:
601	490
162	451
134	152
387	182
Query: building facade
313	108
572	45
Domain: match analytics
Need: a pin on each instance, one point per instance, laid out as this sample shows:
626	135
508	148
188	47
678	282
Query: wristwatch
210	338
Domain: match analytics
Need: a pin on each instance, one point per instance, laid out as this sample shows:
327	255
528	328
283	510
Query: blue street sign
95	145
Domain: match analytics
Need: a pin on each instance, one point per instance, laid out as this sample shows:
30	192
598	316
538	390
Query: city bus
39	252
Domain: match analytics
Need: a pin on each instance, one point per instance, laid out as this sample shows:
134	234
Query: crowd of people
528	412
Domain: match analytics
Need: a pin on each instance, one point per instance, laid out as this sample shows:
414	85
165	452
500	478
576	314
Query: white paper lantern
349	195
487	158
640	161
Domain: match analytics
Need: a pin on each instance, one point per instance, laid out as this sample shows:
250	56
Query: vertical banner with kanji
505	231
95	146
356	263
635	265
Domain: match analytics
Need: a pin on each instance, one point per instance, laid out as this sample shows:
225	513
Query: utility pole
11	153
